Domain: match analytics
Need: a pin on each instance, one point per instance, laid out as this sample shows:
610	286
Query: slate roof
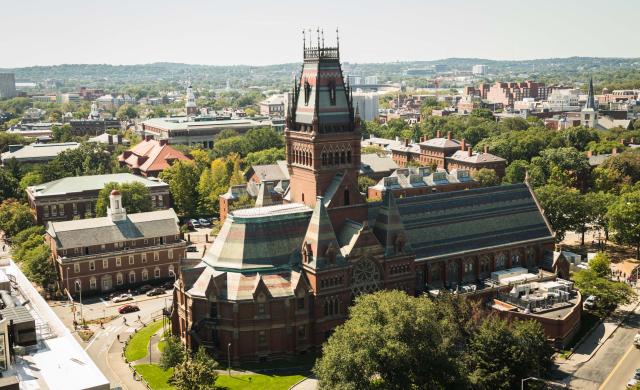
271	172
597	159
374	163
475	158
39	152
77	184
98	231
264	237
320	238
441	143
422	177
150	156
451	223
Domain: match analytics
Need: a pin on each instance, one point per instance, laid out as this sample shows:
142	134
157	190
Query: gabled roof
270	172
151	155
440	143
98	231
264	196
389	227
475	158
320	240
455	223
374	163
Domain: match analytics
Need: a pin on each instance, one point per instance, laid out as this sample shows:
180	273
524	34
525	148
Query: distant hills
569	69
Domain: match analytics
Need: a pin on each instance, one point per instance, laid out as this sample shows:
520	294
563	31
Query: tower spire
590	98
338	42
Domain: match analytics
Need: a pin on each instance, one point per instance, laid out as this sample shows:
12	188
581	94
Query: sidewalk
119	367
589	346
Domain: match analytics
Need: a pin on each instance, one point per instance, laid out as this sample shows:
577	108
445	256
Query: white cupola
116	211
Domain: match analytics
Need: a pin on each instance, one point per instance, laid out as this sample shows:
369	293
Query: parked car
589	303
144	289
192	248
155	291
636	342
636	378
204	222
168	285
195	223
122	298
128	309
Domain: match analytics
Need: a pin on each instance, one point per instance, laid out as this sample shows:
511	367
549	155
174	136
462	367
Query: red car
128	309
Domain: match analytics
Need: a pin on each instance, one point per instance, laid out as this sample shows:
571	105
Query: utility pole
229	358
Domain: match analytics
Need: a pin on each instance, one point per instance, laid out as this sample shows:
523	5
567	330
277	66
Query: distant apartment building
563	99
90	93
479	92
44	98
92	127
508	93
367	105
406	182
273	106
7	86
479	70
70	98
117	251
75	197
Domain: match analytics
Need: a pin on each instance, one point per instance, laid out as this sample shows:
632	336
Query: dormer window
332	93
307	92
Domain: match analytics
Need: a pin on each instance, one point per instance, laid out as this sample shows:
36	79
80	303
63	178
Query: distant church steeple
191	107
589	115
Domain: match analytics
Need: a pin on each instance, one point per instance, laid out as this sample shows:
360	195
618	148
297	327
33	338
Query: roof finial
318	36
322	32
304	41
338	41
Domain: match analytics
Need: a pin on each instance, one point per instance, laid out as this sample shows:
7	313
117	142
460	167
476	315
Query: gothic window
343	158
348	157
324	158
468	266
515	259
501	261
452	271
485	264
336	158
346	197
332	92
366	277
436	272
307	92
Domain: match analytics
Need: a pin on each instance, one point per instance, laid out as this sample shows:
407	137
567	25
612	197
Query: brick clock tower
323	137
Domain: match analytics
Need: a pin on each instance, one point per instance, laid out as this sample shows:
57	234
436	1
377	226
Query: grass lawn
156	376
266	382
139	343
161	345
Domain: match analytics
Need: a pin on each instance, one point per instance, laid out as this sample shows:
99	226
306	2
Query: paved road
624	370
590	373
104	348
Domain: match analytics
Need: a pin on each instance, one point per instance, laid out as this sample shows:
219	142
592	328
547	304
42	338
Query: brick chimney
148	137
448	135
589	153
110	139
486	149
470	150
164	141
438	134
463	144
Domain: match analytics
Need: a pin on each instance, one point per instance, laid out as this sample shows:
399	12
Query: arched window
348	157
92	283
132	277
145	274
343	158
303	197
324	158
346	197
171	272
336	158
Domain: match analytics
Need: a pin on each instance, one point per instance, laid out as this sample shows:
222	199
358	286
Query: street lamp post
229	358
80	288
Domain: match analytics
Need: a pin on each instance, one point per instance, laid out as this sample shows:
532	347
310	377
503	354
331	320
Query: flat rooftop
57	361
76	184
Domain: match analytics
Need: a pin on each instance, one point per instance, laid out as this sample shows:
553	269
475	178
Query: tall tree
562	207
607	292
173	352
624	220
183	178
196	373
15	217
8	186
487	177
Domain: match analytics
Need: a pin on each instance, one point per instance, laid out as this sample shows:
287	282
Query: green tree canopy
624	220
136	198
196	373
182	178
515	172
15	217
486	177
173	352
601	265
607	292
563	208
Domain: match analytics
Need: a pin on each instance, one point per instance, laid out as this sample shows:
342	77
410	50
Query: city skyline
196	32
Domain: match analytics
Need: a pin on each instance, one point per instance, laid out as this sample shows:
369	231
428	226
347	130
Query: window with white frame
131	260
132	277
118	262
145	274
92	265
171	273
156	273
105	263
76	267
77	285
170	254
156	256
119	279
144	257
93	284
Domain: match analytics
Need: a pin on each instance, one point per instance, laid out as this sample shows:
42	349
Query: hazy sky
45	32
